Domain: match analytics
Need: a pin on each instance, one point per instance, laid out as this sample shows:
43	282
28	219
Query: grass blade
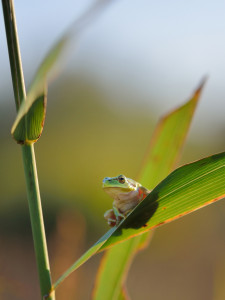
123	295
112	280
31	125
162	156
167	142
29	121
185	190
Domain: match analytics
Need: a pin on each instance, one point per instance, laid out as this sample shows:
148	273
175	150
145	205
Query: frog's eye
121	179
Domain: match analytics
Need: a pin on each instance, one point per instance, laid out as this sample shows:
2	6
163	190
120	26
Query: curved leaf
123	295
167	141
30	118
21	129
188	188
165	147
30	127
114	278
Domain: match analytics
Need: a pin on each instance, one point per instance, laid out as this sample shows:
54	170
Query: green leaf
167	142
112	280
123	295
30	118
188	188
164	151
114	268
31	125
26	125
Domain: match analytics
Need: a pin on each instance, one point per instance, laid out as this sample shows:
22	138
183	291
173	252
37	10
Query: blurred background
136	61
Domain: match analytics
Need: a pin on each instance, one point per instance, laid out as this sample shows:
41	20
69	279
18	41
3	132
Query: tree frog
126	194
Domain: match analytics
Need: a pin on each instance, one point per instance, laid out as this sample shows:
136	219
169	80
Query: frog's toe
110	217
112	222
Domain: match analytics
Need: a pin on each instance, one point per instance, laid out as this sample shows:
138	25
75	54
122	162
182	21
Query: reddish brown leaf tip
200	87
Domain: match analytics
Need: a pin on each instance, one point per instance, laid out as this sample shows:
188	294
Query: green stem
30	170
14	51
36	216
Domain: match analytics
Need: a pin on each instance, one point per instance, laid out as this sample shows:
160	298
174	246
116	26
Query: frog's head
119	184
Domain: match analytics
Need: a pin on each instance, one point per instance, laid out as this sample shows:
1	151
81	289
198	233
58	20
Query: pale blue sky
157	49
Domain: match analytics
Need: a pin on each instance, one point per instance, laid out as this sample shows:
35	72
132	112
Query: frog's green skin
126	194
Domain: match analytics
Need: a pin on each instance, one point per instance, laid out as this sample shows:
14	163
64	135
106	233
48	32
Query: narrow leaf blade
39	81
123	294
31	125
182	192
164	151
112	287
186	189
167	142
30	117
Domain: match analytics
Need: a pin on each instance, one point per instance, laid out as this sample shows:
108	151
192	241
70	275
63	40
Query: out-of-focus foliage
30	118
86	138
162	156
188	188
93	138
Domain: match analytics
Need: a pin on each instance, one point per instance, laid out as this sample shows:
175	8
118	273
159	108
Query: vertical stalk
37	221
14	52
29	161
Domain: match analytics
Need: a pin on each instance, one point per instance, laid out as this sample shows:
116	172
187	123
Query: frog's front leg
119	216
110	217
113	217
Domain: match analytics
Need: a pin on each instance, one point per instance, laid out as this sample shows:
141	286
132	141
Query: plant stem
14	51
36	216
29	162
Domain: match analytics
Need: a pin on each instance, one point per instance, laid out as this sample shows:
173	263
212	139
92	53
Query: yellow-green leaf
113	279
31	125
164	151
186	189
20	127
123	295
30	118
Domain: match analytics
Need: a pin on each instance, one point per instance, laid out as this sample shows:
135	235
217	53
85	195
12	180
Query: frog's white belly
124	202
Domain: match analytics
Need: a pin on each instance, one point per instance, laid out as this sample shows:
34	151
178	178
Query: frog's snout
106	179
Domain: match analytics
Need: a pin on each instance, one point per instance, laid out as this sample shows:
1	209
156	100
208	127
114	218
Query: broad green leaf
164	151
186	189
30	118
